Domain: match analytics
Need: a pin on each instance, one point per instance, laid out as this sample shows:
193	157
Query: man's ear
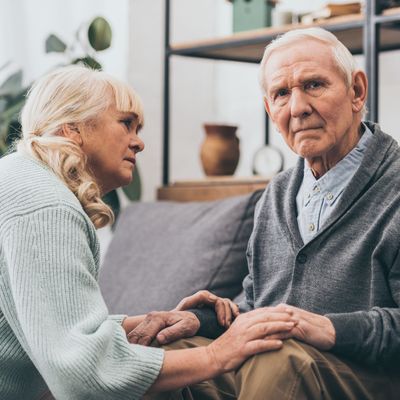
72	132
360	90
267	109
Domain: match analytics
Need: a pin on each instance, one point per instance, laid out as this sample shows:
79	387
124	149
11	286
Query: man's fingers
178	331
147	330
139	336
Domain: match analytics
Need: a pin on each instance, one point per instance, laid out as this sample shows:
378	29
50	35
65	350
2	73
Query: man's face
308	100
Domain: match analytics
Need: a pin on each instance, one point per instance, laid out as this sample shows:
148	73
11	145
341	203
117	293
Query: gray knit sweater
350	271
55	330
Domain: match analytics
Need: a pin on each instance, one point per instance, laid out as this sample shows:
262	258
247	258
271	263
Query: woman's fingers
202	297
234	308
266	329
262	345
225	308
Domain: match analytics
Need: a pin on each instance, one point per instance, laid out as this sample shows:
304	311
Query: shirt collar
332	183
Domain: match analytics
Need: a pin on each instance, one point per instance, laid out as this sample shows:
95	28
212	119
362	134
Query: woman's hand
225	308
251	333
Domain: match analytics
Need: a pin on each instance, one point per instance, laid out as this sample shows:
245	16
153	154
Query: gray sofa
164	251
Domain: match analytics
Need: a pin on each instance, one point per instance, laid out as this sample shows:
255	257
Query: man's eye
281	93
312	85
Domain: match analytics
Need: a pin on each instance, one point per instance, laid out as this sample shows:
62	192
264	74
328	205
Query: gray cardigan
350	271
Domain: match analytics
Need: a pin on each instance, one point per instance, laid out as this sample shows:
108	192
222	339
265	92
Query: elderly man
325	244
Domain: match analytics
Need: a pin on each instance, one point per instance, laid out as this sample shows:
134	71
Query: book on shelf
331	10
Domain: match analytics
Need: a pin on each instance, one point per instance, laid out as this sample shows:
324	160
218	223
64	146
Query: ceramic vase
219	152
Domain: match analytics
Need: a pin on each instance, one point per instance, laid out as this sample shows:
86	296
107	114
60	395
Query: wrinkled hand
225	308
164	327
254	332
314	329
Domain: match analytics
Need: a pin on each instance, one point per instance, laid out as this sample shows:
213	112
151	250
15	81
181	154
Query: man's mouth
310	128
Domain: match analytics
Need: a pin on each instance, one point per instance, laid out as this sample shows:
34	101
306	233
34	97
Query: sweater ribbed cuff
349	332
117	318
209	326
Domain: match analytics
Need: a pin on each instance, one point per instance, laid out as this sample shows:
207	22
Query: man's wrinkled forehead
299	57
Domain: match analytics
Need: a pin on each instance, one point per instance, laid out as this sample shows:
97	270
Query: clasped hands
283	322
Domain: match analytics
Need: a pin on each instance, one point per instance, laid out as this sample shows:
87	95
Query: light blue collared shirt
317	198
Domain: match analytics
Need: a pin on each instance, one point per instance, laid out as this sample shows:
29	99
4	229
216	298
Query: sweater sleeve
57	312
372	336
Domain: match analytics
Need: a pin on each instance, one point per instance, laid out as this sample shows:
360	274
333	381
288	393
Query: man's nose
300	106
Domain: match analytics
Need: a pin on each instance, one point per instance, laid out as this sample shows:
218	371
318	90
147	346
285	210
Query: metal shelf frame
370	25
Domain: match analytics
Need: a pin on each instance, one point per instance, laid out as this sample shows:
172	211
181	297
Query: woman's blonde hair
72	95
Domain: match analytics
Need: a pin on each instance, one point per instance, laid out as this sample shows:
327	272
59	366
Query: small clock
267	161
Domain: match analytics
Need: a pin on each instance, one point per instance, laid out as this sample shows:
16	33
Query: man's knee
187	343
279	374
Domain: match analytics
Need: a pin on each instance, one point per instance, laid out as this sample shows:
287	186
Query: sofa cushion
164	251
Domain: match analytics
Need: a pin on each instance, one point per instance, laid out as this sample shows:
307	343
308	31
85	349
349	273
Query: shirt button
311	227
329	196
302	258
316	189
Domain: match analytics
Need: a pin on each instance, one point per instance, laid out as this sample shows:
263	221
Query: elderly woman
80	141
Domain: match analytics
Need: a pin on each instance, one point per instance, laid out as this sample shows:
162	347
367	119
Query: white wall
25	25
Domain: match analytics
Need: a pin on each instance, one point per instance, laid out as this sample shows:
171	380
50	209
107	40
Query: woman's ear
72	132
360	90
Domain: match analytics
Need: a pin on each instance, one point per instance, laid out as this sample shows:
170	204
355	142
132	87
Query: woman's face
111	143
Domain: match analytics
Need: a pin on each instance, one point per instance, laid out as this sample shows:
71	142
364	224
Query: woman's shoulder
29	185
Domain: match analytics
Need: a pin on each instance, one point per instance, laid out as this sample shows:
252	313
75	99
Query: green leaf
3	147
3	105
134	190
12	84
88	61
112	200
55	44
13	109
14	132
100	34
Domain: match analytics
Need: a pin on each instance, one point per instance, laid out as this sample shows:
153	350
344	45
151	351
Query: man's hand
164	327
225	308
311	328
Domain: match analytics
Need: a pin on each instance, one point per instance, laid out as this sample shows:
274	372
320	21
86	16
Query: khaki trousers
297	371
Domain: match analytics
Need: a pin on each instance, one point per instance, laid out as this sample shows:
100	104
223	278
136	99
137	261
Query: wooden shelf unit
249	46
367	34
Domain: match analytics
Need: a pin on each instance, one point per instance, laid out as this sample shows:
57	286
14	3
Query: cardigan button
302	258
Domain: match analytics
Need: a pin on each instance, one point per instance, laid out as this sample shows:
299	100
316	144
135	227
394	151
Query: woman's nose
137	144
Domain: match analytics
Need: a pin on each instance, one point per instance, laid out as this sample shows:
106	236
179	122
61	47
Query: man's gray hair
341	54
